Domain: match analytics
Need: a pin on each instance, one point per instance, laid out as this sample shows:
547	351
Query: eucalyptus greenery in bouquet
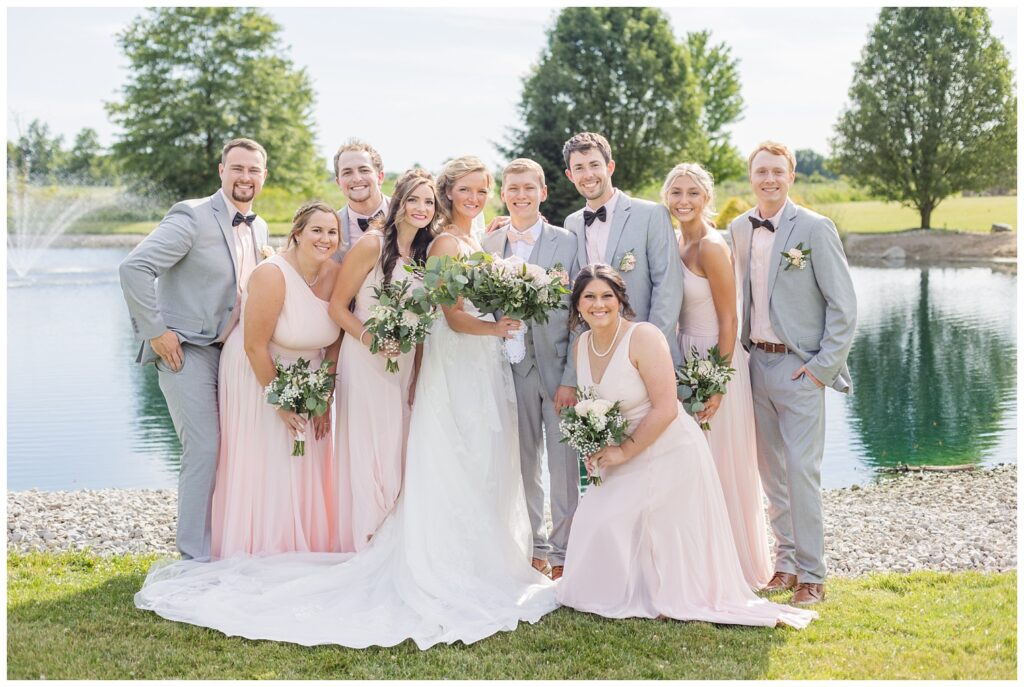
301	390
399	321
701	378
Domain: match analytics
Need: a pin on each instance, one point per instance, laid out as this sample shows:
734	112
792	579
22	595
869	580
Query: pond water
933	364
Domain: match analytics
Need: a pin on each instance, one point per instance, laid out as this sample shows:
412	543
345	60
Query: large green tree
932	108
717	76
200	76
618	71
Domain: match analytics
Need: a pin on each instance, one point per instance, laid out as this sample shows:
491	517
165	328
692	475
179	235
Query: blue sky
451	76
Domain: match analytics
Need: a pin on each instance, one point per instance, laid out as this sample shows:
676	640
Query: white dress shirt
523	249
597	233
762	254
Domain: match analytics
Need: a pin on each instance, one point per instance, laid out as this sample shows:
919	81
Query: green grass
71	616
975	213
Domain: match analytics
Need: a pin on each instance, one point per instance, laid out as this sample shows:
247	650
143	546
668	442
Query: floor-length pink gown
372	424
654	538
732	439
266	500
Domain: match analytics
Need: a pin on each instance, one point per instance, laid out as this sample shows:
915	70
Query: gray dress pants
191	395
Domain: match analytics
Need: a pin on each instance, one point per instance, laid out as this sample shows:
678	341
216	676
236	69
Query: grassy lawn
966	214
71	616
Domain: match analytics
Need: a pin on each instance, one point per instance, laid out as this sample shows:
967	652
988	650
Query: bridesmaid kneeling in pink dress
267	501
709	318
374	404
654	538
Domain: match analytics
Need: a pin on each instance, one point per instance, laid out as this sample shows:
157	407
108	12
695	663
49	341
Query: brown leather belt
771	347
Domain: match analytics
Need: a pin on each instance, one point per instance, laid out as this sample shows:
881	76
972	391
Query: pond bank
921	521
932	245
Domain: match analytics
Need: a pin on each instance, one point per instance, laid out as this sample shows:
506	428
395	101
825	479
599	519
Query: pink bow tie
525	236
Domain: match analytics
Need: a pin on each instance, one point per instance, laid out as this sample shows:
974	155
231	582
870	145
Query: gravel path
921	521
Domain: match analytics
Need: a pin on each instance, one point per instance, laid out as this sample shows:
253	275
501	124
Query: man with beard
359	172
631	235
183	285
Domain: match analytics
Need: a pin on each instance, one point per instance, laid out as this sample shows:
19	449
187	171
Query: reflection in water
934	366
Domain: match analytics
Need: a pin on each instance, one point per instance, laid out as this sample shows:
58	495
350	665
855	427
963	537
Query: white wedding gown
451	563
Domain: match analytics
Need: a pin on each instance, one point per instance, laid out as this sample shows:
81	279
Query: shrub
731	209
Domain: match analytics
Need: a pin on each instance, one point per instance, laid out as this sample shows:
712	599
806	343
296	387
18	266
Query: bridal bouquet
702	378
399	321
301	390
592	424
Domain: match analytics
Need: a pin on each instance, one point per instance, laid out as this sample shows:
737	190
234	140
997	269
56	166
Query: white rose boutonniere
797	256
628	261
267	251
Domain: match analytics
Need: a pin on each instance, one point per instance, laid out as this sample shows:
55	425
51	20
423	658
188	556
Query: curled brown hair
584	142
301	218
605	273
409	182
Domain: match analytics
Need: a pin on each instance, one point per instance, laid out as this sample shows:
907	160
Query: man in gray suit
634	236
183	287
359	172
799	315
540	378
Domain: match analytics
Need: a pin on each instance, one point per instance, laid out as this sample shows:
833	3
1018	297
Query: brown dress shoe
780	581
808	593
556	571
541	566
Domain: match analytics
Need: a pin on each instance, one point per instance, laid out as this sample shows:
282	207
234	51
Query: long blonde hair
702	178
454	170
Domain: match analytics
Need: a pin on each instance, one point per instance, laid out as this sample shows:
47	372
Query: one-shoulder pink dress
266	500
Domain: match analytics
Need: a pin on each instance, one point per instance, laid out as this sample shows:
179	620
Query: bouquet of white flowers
592	424
301	390
702	378
399	321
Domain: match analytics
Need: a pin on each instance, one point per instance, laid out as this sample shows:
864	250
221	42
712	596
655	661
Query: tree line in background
931	112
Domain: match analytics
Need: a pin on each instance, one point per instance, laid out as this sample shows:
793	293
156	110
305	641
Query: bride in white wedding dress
452	562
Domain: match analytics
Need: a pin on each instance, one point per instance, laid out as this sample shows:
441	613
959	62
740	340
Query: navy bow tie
364	222
239	218
766	223
589	217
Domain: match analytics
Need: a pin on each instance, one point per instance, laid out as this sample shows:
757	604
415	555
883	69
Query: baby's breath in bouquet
301	390
702	378
399	321
592	424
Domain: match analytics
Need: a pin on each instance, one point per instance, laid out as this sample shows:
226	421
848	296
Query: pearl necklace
610	346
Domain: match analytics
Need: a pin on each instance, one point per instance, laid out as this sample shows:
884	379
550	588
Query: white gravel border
918	521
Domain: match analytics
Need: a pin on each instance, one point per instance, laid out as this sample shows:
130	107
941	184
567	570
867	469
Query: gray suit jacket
182	276
655	285
343	242
813	310
550	341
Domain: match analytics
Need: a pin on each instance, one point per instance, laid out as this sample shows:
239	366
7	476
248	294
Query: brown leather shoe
808	593
780	581
556	571
541	566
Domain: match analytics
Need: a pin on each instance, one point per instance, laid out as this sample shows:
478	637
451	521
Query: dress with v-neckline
654	538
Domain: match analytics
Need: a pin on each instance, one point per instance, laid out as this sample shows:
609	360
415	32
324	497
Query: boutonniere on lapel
267	251
628	261
797	256
558	272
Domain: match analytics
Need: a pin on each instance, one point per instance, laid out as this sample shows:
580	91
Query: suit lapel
544	248
779	244
220	210
619	220
574	223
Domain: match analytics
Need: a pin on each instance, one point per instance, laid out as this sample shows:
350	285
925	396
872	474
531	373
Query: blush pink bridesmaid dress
267	501
731	438
372	424
654	538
